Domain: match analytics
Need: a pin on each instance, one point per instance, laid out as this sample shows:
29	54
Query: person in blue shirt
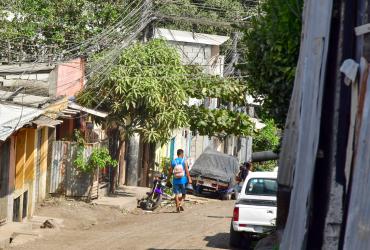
181	177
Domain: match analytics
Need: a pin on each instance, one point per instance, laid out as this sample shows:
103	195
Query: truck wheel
235	237
226	196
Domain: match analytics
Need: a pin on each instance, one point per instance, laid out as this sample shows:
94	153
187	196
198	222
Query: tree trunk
132	163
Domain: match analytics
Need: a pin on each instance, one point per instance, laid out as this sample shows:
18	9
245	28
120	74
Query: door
4	179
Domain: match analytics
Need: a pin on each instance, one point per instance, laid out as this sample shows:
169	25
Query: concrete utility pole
133	149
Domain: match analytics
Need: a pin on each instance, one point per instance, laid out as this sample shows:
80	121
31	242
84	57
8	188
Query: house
202	50
23	160
36	109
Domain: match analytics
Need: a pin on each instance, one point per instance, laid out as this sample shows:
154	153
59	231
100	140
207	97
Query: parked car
215	172
255	209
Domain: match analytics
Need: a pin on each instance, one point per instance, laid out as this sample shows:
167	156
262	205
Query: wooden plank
357	235
312	64
354	109
362	29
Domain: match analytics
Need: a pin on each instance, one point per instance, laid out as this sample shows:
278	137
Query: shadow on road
173	249
220	241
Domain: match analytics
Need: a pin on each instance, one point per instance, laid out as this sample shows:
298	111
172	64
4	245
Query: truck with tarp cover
216	172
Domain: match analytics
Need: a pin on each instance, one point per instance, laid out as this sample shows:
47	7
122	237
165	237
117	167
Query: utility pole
230	70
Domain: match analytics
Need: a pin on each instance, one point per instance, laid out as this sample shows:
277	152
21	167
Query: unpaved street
202	226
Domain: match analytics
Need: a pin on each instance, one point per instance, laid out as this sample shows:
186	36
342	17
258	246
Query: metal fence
65	177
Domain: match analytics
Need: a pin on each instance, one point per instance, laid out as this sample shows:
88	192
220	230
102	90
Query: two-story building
202	50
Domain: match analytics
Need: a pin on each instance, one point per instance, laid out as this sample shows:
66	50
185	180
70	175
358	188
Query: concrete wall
63	79
25	165
207	56
70	77
34	80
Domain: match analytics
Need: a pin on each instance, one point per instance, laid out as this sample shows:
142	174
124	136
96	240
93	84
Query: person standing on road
244	170
181	177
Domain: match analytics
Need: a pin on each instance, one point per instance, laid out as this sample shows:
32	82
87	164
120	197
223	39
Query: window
261	186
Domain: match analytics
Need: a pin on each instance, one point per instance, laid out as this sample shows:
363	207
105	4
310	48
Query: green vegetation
212	11
272	40
99	158
60	23
148	90
266	139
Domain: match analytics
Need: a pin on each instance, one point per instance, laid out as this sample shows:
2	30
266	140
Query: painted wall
70	77
25	162
41	163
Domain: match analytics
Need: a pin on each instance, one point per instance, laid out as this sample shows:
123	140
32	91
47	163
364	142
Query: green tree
58	22
210	11
272	40
147	92
266	139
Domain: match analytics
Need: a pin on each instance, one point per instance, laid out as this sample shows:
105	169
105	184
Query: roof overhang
73	107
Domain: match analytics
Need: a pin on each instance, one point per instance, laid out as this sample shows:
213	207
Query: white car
255	208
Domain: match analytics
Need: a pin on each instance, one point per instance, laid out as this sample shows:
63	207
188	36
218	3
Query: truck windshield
261	186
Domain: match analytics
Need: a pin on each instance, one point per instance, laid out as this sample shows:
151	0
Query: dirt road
204	226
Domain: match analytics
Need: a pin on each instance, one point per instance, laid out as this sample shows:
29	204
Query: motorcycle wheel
151	204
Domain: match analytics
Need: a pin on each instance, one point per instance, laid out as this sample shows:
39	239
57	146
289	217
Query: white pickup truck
255	208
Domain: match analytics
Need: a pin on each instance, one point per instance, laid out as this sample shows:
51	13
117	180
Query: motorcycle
155	196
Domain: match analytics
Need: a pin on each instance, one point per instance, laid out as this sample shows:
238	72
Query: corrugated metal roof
13	117
189	37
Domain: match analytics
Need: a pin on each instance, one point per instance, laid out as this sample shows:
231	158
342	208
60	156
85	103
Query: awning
45	121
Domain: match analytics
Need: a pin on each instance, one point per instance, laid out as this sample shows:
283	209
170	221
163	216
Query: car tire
236	238
246	242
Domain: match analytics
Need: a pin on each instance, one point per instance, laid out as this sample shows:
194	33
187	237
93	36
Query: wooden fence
325	157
